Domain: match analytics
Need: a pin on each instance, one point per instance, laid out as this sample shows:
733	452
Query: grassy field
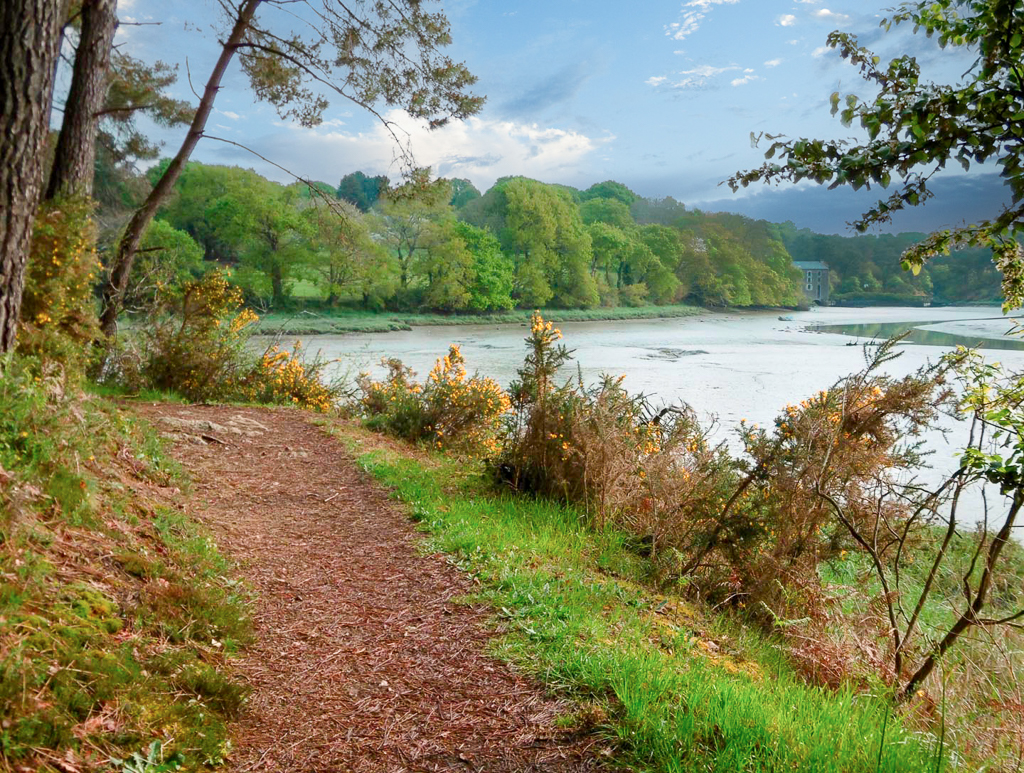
671	686
319	322
117	615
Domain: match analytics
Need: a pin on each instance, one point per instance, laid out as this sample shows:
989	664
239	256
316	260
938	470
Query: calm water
727	366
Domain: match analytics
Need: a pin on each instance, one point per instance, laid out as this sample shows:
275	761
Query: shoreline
311	323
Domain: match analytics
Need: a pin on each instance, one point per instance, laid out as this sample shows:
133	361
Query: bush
650	471
448	411
194	343
58	310
284	378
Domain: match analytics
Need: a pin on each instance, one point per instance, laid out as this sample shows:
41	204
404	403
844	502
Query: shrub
285	378
650	471
194	343
450	410
194	340
58	311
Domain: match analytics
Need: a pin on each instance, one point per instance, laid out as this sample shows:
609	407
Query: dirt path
362	662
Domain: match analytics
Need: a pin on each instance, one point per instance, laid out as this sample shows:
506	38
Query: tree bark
121	266
75	157
29	47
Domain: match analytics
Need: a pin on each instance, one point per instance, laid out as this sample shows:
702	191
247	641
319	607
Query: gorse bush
651	471
194	339
847	446
58	310
194	342
284	378
450	410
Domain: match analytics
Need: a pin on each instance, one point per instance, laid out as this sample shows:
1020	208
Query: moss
138	565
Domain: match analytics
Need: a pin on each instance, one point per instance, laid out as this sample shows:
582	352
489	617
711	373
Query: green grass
672	687
117	614
346	321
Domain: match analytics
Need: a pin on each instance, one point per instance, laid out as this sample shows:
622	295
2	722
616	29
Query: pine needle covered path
362	661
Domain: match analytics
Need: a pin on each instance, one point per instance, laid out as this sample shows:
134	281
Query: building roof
807	265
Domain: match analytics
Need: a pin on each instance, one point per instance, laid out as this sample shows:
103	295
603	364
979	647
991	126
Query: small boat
786	318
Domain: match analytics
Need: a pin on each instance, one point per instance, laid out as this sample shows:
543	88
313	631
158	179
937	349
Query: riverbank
334	322
672	685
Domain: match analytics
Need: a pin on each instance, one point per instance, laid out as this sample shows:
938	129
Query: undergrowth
116	615
673	686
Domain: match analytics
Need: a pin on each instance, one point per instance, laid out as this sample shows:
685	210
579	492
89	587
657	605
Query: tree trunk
29	46
277	284
75	157
121	266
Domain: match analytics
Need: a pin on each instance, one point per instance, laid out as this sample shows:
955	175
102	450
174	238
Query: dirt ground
362	661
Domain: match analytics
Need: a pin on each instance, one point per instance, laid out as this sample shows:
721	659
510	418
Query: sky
660	95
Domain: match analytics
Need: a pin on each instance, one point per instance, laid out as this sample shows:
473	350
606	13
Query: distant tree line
443	246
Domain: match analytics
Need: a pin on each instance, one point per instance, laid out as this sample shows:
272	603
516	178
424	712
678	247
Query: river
727	366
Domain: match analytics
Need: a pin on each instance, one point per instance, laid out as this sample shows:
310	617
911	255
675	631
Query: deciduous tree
370	52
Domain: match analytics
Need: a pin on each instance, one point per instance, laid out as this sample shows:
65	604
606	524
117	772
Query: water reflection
918	334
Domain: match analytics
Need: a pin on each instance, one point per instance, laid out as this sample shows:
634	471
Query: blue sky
661	95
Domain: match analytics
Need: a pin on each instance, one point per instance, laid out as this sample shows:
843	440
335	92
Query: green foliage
384	53
168	258
346	262
915	127
138	89
58	311
406	219
463	192
865	263
361	191
545	235
449	410
193	341
611	211
465	269
609	189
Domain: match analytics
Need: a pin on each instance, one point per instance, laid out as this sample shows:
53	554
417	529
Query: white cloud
693	78
773	63
690	21
707	71
786	20
229	114
481	149
704	5
826	15
746	79
820	51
